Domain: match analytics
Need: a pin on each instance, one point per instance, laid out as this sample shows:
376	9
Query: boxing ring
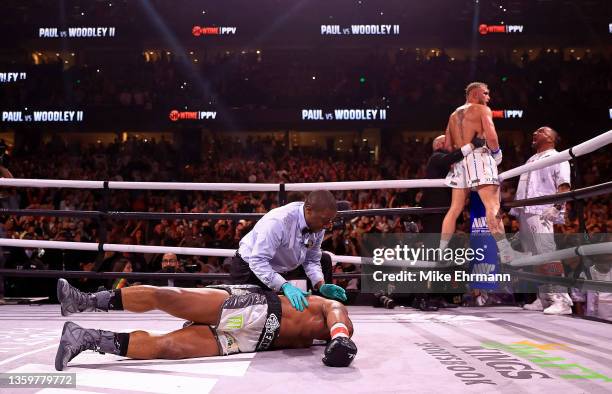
497	349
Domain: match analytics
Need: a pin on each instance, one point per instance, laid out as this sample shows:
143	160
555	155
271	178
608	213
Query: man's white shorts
477	168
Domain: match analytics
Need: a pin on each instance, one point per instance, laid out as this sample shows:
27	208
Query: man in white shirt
284	239
536	222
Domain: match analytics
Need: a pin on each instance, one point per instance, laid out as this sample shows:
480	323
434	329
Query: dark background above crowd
282	23
278	62
417	87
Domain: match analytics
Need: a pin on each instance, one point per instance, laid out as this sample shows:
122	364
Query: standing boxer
478	169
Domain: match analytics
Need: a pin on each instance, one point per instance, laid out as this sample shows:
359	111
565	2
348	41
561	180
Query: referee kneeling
281	241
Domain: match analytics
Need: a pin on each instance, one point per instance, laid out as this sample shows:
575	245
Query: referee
285	239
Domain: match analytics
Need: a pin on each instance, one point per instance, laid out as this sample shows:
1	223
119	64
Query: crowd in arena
253	160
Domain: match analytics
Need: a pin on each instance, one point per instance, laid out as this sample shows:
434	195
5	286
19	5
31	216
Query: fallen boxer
226	320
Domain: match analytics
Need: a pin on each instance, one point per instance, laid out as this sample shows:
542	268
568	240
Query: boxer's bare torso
464	124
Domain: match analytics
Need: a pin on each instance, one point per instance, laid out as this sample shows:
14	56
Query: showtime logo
486	29
191	115
508	114
198	31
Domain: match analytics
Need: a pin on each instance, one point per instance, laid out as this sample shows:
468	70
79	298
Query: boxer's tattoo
460	115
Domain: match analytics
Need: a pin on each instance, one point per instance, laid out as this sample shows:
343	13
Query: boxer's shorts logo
272	323
235	322
231	345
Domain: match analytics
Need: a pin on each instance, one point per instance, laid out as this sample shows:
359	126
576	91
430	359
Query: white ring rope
234	187
360	185
93	246
578	150
24	182
584	250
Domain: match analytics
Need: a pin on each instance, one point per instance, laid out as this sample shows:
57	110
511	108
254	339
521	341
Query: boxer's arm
334	312
486	118
341	350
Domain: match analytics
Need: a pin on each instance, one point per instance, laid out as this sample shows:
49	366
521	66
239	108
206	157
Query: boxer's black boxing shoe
76	339
73	300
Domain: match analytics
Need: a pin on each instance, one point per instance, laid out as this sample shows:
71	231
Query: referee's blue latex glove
332	291
296	296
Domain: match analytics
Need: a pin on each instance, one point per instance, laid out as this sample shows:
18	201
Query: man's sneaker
73	300
561	304
76	339
482	299
558	308
534	306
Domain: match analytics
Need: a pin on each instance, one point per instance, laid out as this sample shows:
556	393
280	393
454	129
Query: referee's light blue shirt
278	245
